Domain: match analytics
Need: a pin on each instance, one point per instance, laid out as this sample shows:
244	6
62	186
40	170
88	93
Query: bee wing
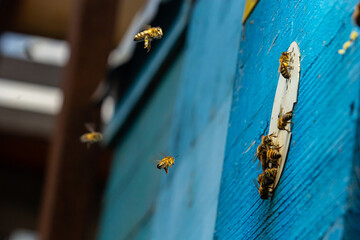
164	155
145	27
254	158
90	127
256	185
279	70
258	166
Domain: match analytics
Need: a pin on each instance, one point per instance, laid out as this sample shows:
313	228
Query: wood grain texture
311	199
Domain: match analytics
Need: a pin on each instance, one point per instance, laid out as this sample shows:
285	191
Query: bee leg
146	42
254	158
88	145
166	170
273	135
258	166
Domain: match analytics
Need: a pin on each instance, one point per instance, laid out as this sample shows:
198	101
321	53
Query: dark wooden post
70	173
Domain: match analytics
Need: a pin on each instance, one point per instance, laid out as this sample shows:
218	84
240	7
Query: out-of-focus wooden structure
95	28
70	176
51	18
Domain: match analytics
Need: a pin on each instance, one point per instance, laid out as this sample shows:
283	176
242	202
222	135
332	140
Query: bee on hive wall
284	120
261	155
265	180
273	155
92	136
267	177
148	35
267	151
284	65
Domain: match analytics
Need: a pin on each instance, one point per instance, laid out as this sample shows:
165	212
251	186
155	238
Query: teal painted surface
132	189
188	200
312	198
142	202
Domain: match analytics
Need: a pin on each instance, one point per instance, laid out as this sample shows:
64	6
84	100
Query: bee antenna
266	127
164	155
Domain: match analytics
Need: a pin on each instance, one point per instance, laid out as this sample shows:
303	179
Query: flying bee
284	65
92	136
149	34
284	119
165	163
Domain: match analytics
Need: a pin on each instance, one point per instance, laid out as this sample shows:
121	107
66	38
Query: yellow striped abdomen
284	71
140	36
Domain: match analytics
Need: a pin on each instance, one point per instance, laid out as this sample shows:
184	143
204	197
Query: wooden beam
70	174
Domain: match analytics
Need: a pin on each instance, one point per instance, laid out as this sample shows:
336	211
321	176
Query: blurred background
36	72
204	93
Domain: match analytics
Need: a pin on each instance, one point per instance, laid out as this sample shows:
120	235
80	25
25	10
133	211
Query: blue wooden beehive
213	101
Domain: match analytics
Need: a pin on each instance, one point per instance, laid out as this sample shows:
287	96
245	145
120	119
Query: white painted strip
30	97
34	48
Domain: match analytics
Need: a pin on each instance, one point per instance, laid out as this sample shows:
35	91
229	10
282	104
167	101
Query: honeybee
264	191
356	15
267	177
148	35
267	144
91	136
269	140
261	155
284	119
265	180
284	64
165	163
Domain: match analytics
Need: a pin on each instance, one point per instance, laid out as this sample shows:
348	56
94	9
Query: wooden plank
311	199
70	174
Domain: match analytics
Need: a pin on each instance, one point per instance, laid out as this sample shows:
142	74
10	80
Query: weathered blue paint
188	115
188	200
311	200
130	197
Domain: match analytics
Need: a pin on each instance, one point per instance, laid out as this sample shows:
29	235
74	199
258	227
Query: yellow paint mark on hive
353	35
249	7
347	44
